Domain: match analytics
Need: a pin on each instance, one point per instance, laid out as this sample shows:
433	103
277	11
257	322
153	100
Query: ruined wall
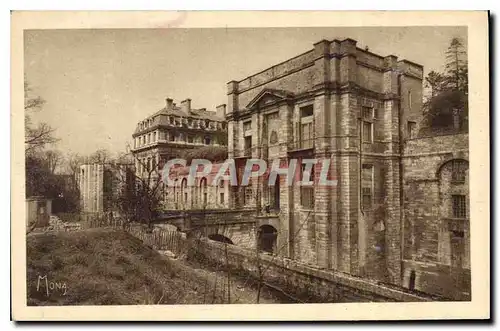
100	184
91	182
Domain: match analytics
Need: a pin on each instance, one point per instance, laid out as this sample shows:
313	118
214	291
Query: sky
99	83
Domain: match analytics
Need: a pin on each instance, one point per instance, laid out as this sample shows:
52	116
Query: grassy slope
106	267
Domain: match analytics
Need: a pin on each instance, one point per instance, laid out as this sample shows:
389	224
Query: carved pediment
267	97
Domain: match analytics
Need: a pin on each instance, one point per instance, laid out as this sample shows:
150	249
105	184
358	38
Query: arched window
184	192
203	191
175	189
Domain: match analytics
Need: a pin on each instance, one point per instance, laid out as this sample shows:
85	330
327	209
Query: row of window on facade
151	138
196	123
272	192
370	117
146	124
305	129
457	177
199	193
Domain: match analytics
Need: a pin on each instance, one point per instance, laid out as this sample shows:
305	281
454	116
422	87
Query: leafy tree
434	81
456	66
447	107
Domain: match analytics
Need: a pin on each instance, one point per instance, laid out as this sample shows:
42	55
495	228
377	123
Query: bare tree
39	135
140	192
54	159
100	156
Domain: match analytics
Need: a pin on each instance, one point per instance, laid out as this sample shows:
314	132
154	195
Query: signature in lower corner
50	286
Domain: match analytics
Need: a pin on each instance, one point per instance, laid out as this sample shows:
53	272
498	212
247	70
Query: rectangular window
307	111
367	128
367	132
248	146
207	141
247	126
247	196
190	139
149	138
171	137
185	197
409	100
222	198
307	191
367	198
367	187
459	206
306	135
412	129
154	136
306	128
458	171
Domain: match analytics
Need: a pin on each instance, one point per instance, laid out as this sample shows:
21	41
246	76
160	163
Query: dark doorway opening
267	236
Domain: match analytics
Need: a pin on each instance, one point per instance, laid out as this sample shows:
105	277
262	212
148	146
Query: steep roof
194	113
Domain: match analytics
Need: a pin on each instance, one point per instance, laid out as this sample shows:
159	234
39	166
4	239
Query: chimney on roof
221	110
186	105
170	103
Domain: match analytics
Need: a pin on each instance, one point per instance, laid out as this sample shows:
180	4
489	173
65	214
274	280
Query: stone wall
304	282
435	258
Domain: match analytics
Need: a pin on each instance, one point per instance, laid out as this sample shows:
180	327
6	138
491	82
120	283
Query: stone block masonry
436	246
342	103
362	111
302	281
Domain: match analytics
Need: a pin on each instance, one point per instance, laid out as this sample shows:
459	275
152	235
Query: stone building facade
173	130
350	106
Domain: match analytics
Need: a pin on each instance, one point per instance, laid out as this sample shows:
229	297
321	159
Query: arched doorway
267	236
221	238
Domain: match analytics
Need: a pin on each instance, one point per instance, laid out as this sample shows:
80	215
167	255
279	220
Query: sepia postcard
250	166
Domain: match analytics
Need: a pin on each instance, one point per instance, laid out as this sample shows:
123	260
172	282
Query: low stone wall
299	280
